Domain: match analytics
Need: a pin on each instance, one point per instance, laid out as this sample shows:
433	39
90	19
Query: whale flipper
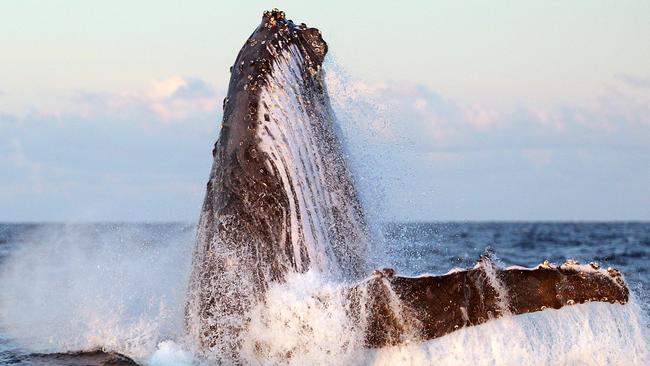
432	306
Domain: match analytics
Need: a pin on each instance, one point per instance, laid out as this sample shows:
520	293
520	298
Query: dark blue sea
64	286
420	247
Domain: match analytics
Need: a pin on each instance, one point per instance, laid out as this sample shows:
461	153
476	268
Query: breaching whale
281	199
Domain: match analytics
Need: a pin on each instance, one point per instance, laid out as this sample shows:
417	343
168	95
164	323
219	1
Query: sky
527	110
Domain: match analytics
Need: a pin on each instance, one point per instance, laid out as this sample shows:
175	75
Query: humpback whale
281	199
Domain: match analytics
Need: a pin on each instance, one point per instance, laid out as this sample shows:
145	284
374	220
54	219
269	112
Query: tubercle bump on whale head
271	17
276	39
281	29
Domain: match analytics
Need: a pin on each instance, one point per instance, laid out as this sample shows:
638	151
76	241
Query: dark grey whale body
280	199
83	358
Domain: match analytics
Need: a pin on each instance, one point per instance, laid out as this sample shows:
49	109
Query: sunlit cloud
170	100
611	117
134	154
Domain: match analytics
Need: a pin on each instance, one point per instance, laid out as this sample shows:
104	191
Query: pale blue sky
492	110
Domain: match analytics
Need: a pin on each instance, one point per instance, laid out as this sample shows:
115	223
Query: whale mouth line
281	199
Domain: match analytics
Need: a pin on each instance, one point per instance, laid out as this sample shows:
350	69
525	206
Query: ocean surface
67	287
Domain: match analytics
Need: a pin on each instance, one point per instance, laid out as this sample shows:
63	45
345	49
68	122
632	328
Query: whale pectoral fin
401	309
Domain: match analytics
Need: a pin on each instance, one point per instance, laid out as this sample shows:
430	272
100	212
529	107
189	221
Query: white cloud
437	122
161	89
174	99
482	117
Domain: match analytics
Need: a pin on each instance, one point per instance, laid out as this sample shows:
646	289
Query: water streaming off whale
280	197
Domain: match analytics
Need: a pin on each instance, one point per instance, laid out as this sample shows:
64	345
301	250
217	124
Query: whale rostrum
281	199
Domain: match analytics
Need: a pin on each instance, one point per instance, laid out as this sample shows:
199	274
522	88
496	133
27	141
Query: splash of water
83	287
587	334
305	321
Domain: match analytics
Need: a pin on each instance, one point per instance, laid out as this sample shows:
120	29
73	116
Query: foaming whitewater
587	334
85	287
304	321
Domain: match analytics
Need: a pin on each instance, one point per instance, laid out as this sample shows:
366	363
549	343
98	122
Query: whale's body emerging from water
281	199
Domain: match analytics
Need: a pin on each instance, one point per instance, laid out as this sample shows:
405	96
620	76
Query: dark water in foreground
410	248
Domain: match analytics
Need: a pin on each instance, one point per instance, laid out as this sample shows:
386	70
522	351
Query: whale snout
310	40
